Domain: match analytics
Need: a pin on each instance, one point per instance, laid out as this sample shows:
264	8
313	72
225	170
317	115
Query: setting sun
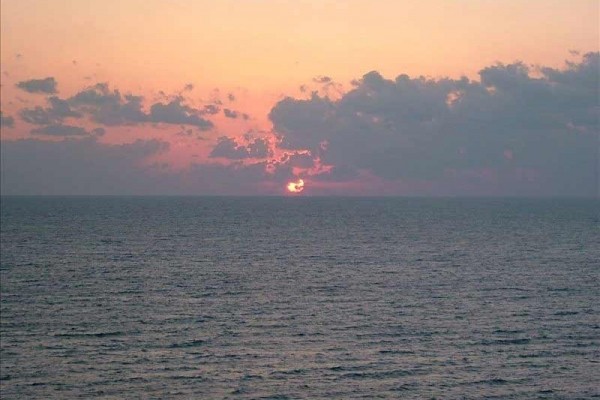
296	187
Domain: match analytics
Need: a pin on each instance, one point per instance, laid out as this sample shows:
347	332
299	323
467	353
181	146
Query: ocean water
299	298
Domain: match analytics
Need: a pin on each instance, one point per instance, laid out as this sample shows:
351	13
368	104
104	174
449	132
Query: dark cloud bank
78	167
88	167
518	130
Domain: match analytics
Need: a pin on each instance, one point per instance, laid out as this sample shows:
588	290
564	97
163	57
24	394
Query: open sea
299	298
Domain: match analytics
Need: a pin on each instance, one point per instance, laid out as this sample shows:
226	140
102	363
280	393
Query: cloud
59	110
79	166
66	130
517	130
322	79
235	114
458	130
337	174
303	123
87	167
233	179
108	107
211	109
239	178
229	148
175	112
185	132
37	116
111	108
230	113
46	85
6	121
299	160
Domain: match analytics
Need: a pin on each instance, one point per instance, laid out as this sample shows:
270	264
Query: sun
295	187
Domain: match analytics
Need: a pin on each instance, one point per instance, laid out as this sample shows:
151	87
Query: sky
300	98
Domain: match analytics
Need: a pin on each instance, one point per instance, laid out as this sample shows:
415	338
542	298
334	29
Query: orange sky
260	51
271	47
275	45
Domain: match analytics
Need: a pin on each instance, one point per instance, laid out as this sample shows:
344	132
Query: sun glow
295	187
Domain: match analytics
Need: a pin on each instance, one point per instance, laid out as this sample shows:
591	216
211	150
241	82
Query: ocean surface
299	298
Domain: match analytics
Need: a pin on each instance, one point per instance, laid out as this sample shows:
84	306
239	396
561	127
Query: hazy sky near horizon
435	97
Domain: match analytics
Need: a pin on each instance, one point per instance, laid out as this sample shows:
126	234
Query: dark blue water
309	298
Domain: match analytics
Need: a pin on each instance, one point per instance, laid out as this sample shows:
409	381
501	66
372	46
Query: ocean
299	298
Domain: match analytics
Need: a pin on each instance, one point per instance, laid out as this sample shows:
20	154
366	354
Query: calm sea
299	298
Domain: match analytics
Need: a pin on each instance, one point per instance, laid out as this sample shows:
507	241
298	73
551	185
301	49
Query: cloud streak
66	131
